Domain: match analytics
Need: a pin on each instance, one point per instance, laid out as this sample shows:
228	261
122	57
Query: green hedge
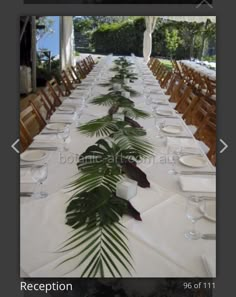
120	38
127	37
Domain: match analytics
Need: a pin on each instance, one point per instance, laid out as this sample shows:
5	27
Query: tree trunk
191	53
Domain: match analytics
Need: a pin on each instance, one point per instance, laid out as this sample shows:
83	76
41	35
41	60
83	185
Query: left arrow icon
14	144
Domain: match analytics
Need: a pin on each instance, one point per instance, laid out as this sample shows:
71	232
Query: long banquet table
203	70
157	243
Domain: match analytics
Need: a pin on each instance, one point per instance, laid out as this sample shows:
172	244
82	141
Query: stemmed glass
63	135
195	209
159	124
78	114
147	95
174	151
39	174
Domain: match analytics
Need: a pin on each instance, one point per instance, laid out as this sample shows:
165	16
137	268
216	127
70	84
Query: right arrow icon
225	146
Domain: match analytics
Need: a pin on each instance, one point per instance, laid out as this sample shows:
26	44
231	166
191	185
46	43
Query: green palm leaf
100	127
112	98
94	227
142	147
133	112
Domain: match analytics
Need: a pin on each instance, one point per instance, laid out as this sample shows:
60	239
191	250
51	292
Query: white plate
66	108
164	112
210	210
56	126
172	129
193	161
33	156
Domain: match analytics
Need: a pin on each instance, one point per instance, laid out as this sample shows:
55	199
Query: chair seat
192	128
203	146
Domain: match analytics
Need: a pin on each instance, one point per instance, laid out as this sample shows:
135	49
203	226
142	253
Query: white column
150	22
33	54
66	41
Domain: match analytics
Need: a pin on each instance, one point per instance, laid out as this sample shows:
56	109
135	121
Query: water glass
63	135
173	152
39	174
195	209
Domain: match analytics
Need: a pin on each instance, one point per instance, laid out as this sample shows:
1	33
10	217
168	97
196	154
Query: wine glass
78	114
159	124
174	151
39	174
63	135
195	209
147	95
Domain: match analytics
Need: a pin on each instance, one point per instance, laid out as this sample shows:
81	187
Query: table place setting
94	186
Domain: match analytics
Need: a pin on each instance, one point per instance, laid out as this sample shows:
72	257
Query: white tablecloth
157	244
201	69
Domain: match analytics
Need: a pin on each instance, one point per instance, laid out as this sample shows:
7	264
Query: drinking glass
63	135
39	174
159	124
195	209
78	114
174	152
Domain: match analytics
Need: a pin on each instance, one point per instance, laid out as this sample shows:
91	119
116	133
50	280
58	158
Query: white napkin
203	183
62	118
182	142
25	176
47	138
209	262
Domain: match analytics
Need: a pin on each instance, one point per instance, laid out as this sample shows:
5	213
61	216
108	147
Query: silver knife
43	148
26	165
166	116
64	112
48	133
180	136
62	122
209	236
207	198
26	194
197	172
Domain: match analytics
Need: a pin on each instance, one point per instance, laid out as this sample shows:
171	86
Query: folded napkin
147	198
62	118
198	183
209	262
162	97
182	142
74	102
70	112
47	138
25	176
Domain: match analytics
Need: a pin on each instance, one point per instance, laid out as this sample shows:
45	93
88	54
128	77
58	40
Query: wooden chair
73	75
179	90
25	138
90	62
150	62
177	68
207	133
171	83
68	86
90	58
196	115
187	103
80	70
42	106
165	79
85	66
56	90
32	120
52	101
